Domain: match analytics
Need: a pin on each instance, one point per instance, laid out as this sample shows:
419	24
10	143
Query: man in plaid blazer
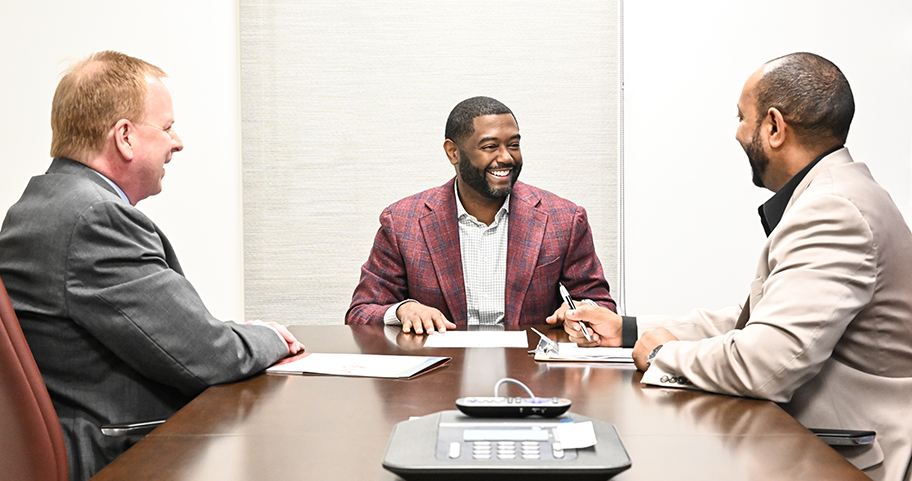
482	248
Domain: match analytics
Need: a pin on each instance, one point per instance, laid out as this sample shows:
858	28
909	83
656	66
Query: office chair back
31	441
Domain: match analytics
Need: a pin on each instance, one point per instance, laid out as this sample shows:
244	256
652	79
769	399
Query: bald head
813	96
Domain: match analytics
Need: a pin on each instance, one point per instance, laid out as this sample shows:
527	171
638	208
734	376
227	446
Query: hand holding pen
569	300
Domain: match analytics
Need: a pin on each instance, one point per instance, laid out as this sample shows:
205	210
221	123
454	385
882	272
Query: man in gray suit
827	329
118	333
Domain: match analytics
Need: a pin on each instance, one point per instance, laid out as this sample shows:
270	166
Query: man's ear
777	128
451	150
124	133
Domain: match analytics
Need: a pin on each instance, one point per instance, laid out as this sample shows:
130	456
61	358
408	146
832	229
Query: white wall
196	43
692	230
692	234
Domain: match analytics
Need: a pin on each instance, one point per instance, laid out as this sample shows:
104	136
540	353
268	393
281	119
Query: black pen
569	301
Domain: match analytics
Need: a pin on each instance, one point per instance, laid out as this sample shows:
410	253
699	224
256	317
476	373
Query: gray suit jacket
830	328
118	333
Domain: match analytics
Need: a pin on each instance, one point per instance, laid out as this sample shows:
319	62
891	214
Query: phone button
455	450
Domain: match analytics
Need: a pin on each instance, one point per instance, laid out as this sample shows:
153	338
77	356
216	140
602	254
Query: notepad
568	351
359	365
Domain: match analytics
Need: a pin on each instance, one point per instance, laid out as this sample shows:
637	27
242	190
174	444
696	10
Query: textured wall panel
343	110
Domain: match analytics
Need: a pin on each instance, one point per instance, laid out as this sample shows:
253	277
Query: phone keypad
508	450
499	444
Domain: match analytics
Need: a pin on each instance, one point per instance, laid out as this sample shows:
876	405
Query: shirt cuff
390	318
629	333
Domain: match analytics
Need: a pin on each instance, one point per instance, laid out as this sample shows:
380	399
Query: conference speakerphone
450	445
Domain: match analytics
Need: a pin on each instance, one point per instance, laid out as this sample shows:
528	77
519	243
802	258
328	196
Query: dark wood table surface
288	427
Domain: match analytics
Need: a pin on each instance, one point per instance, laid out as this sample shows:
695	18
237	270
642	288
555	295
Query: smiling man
826	331
482	249
117	331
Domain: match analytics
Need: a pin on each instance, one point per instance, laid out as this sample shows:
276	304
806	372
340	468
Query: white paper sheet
365	365
576	435
478	339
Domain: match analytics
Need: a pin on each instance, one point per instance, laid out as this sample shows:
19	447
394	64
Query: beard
758	159
477	179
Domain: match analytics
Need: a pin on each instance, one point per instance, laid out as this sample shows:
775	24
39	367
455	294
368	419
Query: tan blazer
830	330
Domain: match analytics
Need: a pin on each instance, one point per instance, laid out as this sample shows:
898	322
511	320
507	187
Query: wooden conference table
336	428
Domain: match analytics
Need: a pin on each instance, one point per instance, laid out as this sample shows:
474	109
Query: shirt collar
120	192
772	210
460	210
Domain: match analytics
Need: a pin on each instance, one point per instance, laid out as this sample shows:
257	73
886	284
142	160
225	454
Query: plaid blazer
416	256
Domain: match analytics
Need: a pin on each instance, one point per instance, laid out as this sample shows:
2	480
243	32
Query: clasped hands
605	329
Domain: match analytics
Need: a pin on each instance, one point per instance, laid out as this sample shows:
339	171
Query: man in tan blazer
827	328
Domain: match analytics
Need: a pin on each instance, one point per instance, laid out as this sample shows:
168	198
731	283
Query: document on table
568	351
362	365
478	339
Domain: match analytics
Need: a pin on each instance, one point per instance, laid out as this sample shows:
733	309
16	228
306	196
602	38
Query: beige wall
196	43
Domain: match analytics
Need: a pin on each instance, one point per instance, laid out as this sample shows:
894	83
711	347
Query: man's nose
505	154
177	143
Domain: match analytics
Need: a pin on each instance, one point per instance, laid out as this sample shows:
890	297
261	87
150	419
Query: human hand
294	346
559	316
604	326
422	319
647	342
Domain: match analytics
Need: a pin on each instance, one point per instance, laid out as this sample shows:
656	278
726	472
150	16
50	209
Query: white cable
514	381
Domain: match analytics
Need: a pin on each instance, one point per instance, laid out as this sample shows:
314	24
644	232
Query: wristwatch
652	355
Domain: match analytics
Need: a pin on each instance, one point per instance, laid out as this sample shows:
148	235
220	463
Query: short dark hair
812	94
461	122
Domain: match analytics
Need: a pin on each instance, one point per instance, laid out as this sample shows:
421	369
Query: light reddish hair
92	96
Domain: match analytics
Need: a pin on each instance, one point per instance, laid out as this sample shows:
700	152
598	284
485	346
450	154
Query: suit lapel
63	165
527	232
441	236
170	255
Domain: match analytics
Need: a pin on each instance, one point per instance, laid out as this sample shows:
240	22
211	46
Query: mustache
511	165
